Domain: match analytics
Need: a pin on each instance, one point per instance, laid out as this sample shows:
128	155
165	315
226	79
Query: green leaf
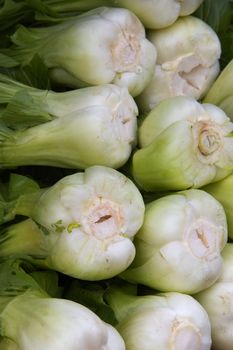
7	61
18	196
14	279
19	185
23	112
217	13
11	13
48	281
35	73
5	133
91	295
41	7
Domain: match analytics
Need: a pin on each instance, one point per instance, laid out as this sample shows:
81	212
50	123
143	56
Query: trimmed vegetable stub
152	13
187	64
32	319
104	45
87	223
91	126
218	303
178	247
183	144
170	320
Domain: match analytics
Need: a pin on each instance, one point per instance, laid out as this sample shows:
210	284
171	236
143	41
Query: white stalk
178	247
60	104
115	98
170	320
152	13
188	55
205	154
167	325
92	218
105	45
36	322
98	126
218	302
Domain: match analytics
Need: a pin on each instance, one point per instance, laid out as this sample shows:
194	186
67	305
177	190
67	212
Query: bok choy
24	105
73	129
223	192
183	144
187	63
151	13
178	247
218	302
163	321
104	45
31	318
82	226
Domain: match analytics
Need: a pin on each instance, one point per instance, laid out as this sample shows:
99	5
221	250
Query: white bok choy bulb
56	324
187	63
164	321
35	106
218	302
89	126
115	98
33	319
178	247
87	222
104	45
152	13
183	144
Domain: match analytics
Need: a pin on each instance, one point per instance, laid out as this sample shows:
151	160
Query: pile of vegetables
116	175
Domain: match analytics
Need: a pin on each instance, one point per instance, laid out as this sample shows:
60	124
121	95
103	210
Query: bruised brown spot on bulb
126	120
103	218
202	237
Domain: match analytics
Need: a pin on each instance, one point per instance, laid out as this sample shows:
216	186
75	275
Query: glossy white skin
218	302
94	125
36	322
205	161
92	218
169	320
178	247
105	45
152	13
115	98
187	63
